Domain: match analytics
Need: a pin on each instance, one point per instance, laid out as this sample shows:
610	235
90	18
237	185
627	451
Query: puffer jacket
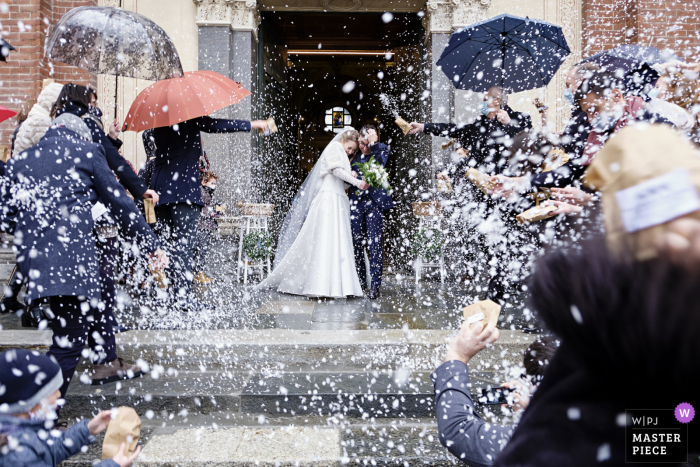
23	445
38	120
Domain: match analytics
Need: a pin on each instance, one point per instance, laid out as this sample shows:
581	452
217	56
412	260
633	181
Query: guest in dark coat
81	101
367	212
53	228
627	329
461	429
486	142
485	138
176	178
207	227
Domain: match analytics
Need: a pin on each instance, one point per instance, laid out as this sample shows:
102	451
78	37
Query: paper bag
125	428
220	208
4	154
537	213
481	180
444	186
159	276
449	143
484	312
405	127
150	210
272	127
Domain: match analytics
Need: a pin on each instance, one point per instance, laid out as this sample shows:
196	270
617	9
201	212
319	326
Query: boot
33	316
114	371
201	278
10	305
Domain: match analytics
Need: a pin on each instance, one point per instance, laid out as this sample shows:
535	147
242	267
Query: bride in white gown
314	254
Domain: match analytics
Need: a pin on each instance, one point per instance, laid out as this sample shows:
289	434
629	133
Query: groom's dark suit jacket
380	152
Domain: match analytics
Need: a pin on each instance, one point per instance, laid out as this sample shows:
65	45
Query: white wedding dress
320	261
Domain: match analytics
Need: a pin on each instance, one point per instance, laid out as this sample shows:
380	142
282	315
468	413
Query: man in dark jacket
485	138
367	212
47	204
176	179
462	431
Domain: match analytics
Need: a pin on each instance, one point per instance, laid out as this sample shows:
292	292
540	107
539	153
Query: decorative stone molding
239	15
447	16
328	5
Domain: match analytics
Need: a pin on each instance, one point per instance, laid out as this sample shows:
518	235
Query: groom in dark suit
367	211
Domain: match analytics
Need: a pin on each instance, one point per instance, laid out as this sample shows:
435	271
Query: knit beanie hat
26	378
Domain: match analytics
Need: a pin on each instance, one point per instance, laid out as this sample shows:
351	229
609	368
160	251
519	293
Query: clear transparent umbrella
113	41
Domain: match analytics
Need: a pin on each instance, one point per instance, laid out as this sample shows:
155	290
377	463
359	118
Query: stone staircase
7	261
280	397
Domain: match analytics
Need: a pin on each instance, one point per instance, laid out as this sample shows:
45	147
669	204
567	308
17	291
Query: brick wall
671	24
25	25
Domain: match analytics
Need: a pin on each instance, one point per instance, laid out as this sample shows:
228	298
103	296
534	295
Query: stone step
211	441
291	350
5	271
370	394
7	256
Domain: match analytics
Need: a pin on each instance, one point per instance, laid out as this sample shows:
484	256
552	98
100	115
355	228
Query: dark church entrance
320	73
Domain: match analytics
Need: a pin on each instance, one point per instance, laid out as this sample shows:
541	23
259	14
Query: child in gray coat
29	397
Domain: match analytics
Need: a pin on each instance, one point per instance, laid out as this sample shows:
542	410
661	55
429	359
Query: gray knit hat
73	123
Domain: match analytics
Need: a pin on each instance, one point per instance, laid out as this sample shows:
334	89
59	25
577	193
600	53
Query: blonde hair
350	135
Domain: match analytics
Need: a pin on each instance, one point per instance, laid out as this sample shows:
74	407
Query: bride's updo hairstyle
350	135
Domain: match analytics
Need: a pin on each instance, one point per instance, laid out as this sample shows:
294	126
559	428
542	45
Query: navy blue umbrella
508	51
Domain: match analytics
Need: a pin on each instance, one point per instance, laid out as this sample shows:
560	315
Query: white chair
254	219
429	216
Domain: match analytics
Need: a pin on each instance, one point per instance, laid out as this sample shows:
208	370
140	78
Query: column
227	44
447	105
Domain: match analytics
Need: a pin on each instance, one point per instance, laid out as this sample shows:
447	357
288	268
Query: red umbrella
175	100
6	113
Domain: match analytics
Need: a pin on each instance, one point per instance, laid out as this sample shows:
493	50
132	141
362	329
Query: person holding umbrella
176	178
177	110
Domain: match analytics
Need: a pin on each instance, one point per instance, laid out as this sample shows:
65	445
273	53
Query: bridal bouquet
374	174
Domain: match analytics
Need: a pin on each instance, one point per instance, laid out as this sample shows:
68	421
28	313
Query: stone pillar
442	18
227	44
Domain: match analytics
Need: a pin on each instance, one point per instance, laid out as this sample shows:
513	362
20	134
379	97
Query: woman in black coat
47	202
81	101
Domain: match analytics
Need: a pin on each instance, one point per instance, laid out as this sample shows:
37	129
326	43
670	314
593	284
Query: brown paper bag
125	428
4	154
537	213
449	143
150	211
405	127
159	276
481	180
484	312
444	186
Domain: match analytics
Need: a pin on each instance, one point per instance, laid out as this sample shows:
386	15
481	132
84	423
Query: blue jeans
367	222
178	237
